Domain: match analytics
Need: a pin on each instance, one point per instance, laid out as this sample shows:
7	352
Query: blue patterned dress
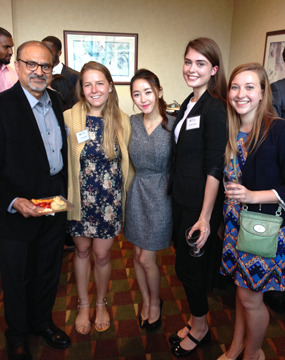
100	187
249	271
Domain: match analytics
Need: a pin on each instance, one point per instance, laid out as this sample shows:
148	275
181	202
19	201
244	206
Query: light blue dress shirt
49	129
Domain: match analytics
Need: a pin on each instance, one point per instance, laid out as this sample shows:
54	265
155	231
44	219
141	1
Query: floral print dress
100	187
249	271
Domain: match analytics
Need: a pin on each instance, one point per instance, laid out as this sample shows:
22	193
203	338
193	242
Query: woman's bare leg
82	268
148	276
102	272
257	320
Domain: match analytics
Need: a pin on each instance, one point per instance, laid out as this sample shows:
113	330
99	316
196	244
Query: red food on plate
43	204
52	205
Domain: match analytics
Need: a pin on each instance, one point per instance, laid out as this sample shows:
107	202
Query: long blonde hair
111	112
264	115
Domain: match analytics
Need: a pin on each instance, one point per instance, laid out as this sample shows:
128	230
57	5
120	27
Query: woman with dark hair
65	89
200	140
148	223
256	144
99	134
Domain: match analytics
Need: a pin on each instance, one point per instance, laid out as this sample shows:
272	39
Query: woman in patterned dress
98	138
256	138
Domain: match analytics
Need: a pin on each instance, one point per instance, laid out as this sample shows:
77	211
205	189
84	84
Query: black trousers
30	273
194	273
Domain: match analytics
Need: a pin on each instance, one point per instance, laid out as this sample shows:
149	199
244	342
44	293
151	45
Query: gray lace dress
148	220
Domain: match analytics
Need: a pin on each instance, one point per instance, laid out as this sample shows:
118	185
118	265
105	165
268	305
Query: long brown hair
264	114
154	83
217	85
111	112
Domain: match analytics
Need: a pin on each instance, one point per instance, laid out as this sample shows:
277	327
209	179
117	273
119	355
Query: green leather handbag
258	233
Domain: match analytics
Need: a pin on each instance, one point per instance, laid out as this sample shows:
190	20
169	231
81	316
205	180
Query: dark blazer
264	169
70	74
278	97
24	166
199	152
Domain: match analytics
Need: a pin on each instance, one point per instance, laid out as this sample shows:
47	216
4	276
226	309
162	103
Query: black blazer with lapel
264	168
70	74
24	166
278	97
199	152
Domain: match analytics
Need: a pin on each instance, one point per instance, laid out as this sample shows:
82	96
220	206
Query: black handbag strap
244	206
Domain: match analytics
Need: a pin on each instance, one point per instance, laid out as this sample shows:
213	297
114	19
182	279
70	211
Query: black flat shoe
175	339
153	326
179	351
143	323
18	351
54	337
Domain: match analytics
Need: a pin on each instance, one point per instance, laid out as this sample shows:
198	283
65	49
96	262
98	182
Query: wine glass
230	178
192	242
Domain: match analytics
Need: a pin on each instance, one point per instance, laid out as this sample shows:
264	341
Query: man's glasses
32	66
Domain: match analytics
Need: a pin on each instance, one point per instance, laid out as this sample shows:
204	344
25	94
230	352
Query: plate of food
53	204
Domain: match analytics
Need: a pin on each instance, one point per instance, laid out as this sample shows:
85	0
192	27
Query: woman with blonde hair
98	137
256	147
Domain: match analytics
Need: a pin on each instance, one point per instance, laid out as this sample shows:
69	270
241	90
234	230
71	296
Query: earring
110	90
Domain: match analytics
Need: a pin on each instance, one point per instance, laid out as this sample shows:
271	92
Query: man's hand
26	208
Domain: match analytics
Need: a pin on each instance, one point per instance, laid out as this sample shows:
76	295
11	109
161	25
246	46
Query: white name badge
82	136
193	123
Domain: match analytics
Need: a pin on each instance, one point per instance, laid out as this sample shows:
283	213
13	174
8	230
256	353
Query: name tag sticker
193	123
82	136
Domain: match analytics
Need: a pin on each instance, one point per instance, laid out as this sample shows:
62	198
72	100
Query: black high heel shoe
143	323
179	351
175	339
153	326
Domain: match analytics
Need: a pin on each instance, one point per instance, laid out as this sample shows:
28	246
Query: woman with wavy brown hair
99	134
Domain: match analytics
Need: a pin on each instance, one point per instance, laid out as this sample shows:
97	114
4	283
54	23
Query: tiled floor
125	340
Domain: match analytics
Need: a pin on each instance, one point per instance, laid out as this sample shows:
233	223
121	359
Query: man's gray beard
37	88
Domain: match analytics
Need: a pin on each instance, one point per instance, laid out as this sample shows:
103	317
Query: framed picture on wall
273	60
118	52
